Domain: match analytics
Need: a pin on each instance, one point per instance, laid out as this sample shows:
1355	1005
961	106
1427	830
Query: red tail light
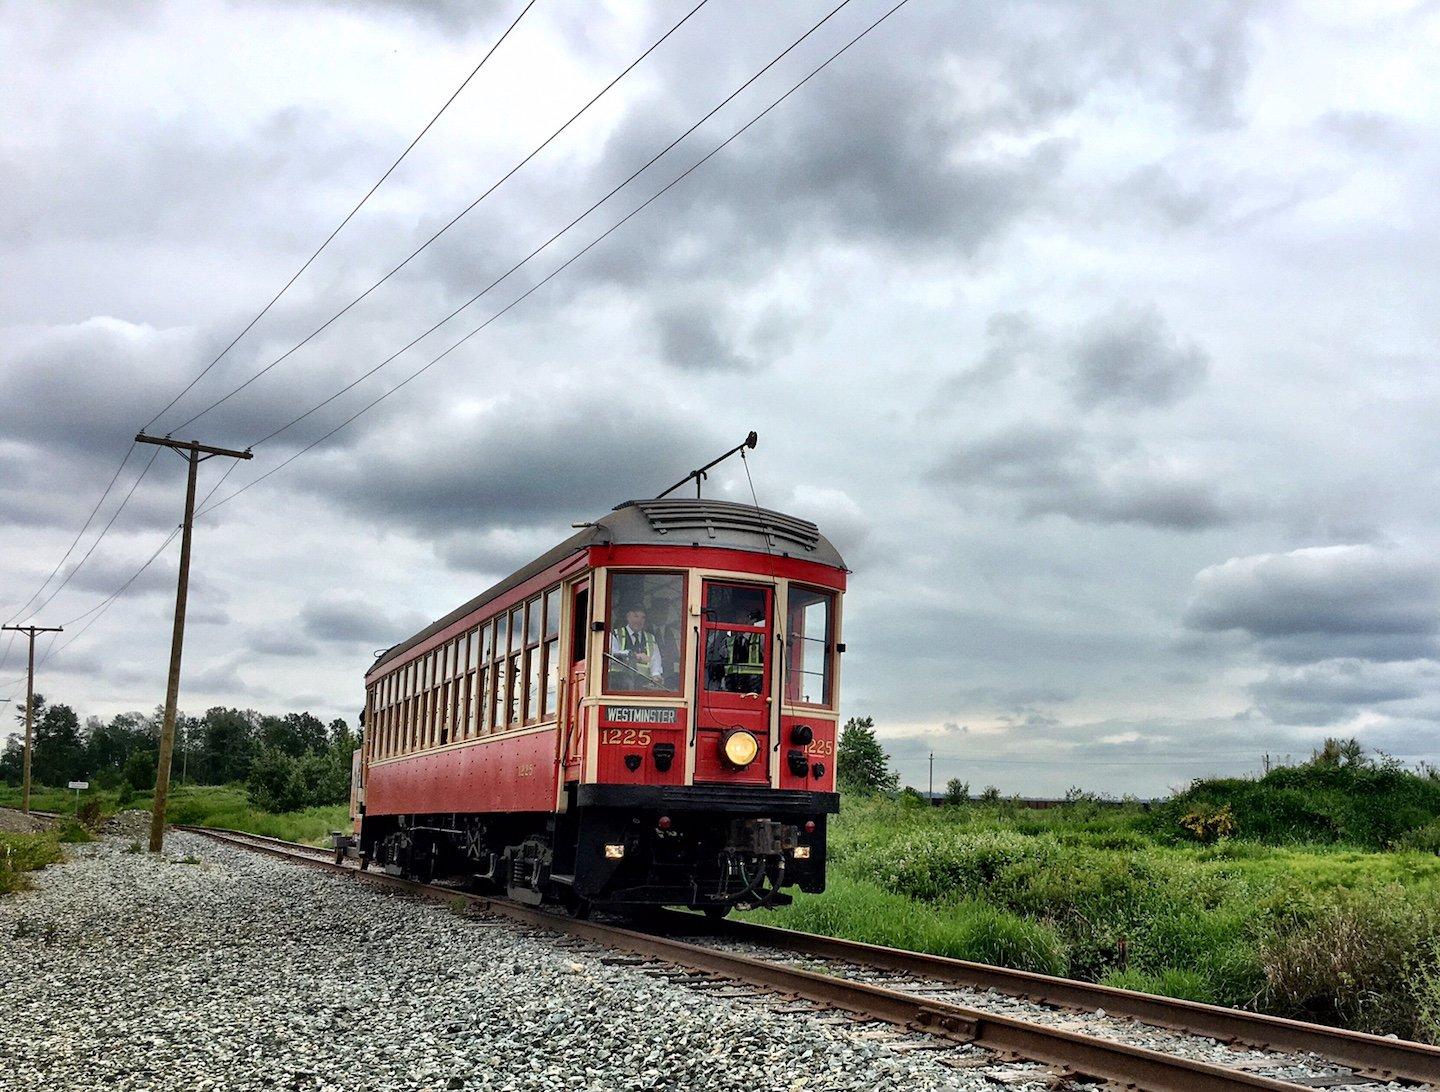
810	826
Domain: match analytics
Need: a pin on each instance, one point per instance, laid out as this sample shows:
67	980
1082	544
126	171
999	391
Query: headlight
739	747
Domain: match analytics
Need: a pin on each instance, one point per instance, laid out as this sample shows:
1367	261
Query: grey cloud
222	678
692	339
1013	340
1131	359
1368	130
349	620
1325	602
1055	470
1157	189
494	551
542	457
279	641
1335	690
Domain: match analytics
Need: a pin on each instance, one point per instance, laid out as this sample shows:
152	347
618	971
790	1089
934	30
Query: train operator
636	648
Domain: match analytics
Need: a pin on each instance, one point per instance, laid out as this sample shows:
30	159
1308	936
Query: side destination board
639	714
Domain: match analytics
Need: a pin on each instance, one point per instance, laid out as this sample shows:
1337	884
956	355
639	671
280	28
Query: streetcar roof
669	521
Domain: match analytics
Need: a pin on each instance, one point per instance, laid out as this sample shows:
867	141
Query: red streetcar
645	715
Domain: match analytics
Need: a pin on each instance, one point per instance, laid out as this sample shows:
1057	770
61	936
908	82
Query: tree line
290	761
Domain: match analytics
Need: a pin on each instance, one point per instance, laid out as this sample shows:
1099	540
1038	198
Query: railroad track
1015	1014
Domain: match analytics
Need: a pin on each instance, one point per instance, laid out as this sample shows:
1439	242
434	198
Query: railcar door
575	690
733	688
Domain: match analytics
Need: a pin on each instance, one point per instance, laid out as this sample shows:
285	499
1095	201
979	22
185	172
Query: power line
73	543
553	238
561	268
594	99
206	507
348	217
103	531
236	339
100	608
452	222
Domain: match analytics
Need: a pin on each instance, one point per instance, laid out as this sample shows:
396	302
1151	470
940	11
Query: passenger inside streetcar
642	652
637	648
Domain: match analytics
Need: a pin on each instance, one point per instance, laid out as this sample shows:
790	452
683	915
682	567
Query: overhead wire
340	226
24	608
451	223
100	608
73	543
556	236
561	268
207	507
574	117
103	532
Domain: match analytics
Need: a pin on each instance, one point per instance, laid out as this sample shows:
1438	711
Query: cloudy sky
1101	339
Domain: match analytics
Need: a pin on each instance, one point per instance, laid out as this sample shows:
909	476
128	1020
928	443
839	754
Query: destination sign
639	714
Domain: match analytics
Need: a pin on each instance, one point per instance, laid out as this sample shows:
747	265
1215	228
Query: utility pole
931	798
194	454
30	704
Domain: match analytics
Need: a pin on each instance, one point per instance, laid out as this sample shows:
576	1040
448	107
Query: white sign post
78	786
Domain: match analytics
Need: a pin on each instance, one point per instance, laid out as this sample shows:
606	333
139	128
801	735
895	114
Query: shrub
280	783
1365	961
73	832
1209	824
1425	986
21	853
1424	839
1321	801
91	815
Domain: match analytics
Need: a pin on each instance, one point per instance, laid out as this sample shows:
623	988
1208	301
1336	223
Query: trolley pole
30	631
194	454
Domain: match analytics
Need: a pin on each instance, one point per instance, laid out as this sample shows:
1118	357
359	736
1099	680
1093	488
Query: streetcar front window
644	633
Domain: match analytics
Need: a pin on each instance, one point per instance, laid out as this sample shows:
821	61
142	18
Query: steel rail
1371	1055
1072	1052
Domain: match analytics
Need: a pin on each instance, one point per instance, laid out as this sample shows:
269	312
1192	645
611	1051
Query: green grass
23	853
201	805
1328	931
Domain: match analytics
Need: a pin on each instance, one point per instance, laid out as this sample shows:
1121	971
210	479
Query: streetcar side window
532	661
549	665
488	673
809	644
500	684
465	724
644	633
514	682
392	731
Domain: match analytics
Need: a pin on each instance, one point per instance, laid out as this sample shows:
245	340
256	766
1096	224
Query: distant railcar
645	715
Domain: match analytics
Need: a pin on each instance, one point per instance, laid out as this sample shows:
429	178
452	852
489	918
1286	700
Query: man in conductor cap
636	647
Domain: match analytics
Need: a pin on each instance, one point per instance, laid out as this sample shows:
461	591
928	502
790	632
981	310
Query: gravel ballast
211	968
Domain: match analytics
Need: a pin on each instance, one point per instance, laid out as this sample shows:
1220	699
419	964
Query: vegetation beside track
1314	894
202	805
22	853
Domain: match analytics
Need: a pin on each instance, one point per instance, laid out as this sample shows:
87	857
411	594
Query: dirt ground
16	822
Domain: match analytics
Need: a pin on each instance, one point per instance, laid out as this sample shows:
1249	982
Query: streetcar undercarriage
613	853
